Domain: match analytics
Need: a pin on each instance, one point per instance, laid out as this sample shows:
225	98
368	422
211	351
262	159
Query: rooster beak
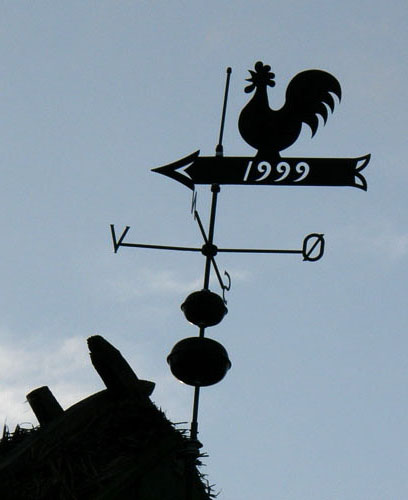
250	88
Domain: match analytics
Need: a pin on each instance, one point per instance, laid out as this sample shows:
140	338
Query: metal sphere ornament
204	308
199	361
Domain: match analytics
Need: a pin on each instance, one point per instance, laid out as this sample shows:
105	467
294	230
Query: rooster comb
262	76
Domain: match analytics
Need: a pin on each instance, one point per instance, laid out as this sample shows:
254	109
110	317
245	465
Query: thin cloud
23	369
153	282
382	237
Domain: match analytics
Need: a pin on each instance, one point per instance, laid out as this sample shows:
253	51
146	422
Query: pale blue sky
95	94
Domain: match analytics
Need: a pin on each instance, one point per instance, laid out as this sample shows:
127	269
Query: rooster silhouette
270	131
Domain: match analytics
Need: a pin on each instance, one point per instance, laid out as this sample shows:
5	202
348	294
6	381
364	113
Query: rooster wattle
270	131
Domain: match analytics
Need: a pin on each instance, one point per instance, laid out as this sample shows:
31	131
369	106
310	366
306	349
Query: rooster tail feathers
313	122
309	94
328	99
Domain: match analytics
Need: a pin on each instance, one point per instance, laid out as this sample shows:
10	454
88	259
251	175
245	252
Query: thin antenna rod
219	150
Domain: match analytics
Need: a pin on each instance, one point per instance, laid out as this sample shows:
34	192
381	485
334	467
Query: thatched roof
115	444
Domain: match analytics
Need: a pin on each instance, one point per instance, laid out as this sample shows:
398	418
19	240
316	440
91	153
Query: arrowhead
178	170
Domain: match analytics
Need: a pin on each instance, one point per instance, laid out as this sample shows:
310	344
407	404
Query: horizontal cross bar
256	250
160	247
309	244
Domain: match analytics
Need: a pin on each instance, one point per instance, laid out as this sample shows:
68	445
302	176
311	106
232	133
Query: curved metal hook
226	287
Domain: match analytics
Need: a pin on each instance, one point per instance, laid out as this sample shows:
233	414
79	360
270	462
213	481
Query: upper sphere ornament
204	308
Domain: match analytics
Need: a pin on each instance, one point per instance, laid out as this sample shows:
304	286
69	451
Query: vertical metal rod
191	460
219	150
215	188
194	438
194	418
194	421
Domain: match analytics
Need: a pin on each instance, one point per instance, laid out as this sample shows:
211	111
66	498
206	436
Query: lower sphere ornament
199	361
204	308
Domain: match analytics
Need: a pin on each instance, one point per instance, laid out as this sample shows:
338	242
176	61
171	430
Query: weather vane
201	361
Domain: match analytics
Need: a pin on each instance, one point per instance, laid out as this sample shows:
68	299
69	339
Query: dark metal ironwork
219	150
209	250
119	243
204	308
267	171
200	361
310	93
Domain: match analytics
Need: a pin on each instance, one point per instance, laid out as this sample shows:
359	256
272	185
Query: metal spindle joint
219	150
209	250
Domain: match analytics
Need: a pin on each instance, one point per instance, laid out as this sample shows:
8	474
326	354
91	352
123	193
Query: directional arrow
194	169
